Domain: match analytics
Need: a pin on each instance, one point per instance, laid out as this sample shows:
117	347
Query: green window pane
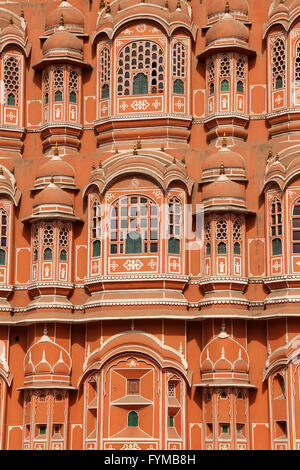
63	255
2	257
212	89
73	97
174	246
221	248
240	86
133	243
225	85
11	99
178	87
171	421
140	84
276	247
105	91
208	249
237	248
46	98
58	97
279	82
133	419
96	248
48	254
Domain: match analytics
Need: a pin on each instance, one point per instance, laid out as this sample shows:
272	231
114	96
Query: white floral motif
133	265
139	105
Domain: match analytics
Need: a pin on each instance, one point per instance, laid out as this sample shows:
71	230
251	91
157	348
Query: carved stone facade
149	225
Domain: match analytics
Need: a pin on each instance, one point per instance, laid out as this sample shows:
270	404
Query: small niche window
208	249
96	229
48	254
73	97
57	428
240	86
171	389
3	227
96	249
171	421
209	430
178	87
63	255
58	96
223	395
281	429
278	64
2	257
35	255
175	221
225	85
11	99
240	430
225	429
42	428
46	98
133	386
237	248
105	91
296	228
133	419
140	84
276	227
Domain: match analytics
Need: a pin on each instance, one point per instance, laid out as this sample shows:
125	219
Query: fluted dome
63	40
224	354
224	156
226	28
13	30
55	166
47	363
216	7
73	18
223	188
52	195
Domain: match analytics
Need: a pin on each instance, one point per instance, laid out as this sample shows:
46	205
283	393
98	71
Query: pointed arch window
175	223
134	226
296	228
48	254
225	85
104	72
96	229
178	87
12	80
276	227
140	69
278	59
2	257
179	67
133	419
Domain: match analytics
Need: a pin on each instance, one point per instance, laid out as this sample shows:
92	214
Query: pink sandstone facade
125	323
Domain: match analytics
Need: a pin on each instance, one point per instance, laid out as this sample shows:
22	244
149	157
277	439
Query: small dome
52	194
223	187
71	15
224	156
224	354
63	39
55	167
11	28
226	28
216	7
47	357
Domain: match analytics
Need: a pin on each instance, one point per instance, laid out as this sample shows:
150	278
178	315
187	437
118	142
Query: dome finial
138	143
11	20
223	333
56	152
224	141
227	9
62	21
222	169
102	4
107	7
178	6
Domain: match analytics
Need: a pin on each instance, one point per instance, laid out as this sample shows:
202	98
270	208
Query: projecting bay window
134	226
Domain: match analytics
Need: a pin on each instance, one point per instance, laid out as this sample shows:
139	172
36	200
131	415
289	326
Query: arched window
178	87
278	64
133	419
105	91
175	222
2	257
276	227
58	97
63	255
96	229
46	98
4	227
297	66
48	254
221	248
134	226
240	86
73	86
12	80
237	236
224	85
140	69
211	88
104	72
11	99
140	84
296	228
236	248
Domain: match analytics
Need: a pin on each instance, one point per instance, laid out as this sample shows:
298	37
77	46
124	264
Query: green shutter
63	255
73	97
171	421
178	87
140	84
276	247
96	249
279	82
237	248
2	257
133	419
105	91
48	254
174	246
225	85
58	97
221	248
133	243
240	86
11	99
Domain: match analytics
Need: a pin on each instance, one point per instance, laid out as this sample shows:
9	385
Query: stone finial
224	140
100	165
135	149
108	7
22	13
11	20
138	143
227	8
223	333
270	154
222	169
178	6
62	21
56	152
102	4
